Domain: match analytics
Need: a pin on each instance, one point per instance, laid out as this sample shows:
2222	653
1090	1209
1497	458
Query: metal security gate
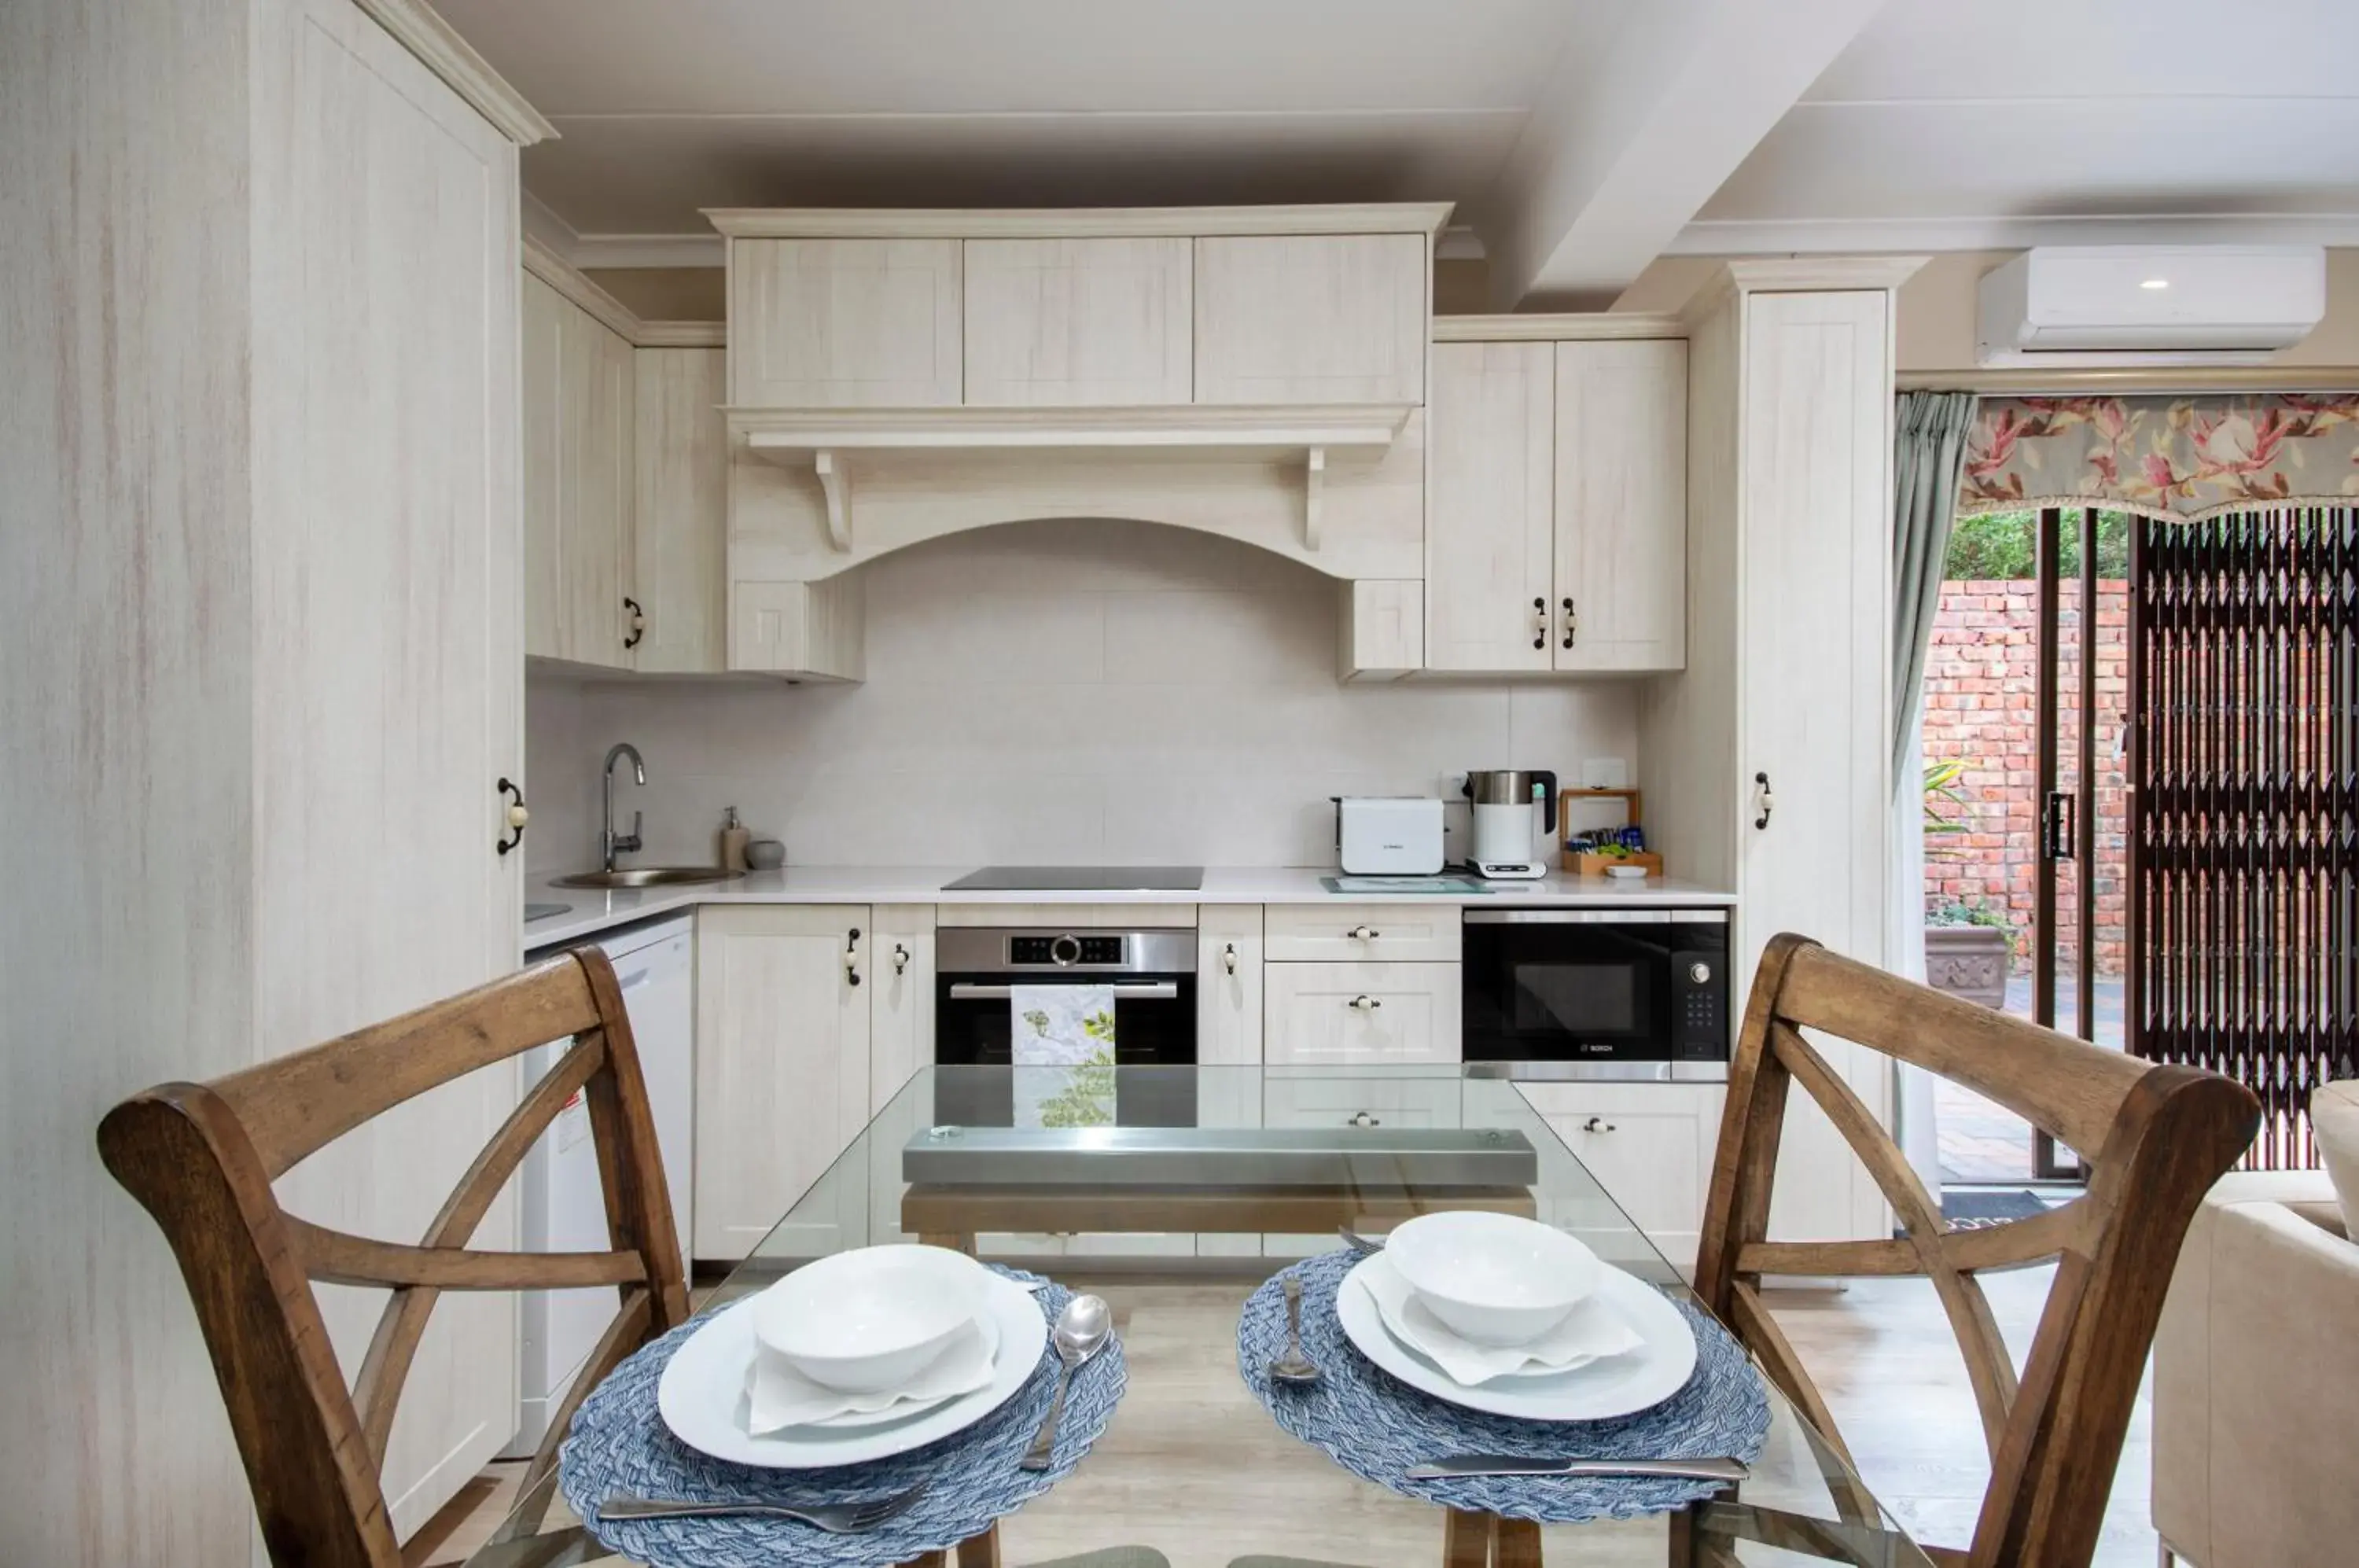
2245	805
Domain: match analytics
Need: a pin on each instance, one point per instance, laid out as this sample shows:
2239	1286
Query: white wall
1065	692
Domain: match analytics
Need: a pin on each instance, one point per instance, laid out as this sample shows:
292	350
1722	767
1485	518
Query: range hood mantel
821	441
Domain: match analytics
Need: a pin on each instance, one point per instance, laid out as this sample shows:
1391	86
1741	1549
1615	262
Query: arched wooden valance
2169	457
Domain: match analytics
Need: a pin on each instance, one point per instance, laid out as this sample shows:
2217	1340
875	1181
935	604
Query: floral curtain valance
2182	457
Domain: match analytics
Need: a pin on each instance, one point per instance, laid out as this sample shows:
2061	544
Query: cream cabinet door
1620	600
580	428
843	323
1816	618
901	1032
782	1066
1360	1014
1650	1146
679	525
1312	318
1079	323
1491	522
1356	933
1228	987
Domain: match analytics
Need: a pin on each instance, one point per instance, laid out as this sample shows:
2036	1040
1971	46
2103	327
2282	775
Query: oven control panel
1062	950
1699	1002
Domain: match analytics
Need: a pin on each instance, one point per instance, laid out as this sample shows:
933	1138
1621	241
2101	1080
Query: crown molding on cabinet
612	313
792	438
438	46
1798	275
1426	218
1585	326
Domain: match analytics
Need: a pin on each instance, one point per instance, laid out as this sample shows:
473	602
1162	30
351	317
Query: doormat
1969	1210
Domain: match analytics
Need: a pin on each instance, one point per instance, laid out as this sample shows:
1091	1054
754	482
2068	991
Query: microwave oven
1633	994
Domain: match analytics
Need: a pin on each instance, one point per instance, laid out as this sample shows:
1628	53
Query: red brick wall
1981	705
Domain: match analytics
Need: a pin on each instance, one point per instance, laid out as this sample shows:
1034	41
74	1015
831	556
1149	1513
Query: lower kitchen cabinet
1360	1014
1650	1146
783	996
1228	987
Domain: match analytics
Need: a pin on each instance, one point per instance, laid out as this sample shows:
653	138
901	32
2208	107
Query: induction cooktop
1080	880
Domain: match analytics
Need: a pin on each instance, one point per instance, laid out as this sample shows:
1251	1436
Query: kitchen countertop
593	911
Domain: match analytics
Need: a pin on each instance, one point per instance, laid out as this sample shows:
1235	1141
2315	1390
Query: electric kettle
1514	822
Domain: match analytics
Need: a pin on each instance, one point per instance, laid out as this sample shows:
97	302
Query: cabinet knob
1571	623
1762	798
1539	622
1364	933
637	623
1362	1118
515	816
900	959
852	955
1597	1124
1229	957
1364	1003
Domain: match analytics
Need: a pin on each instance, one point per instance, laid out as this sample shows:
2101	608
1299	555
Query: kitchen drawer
1352	933
1650	1146
1359	1014
1376	1100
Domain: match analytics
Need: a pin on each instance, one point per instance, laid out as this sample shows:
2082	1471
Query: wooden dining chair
203	1157
2152	1139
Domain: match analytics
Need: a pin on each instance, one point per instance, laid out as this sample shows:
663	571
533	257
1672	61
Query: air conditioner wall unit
2127	305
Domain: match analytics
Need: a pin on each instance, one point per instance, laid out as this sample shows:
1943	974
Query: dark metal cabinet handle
1364	933
1229	957
1362	1118
1539	622
1597	1124
1571	623
638	622
900	959
515	817
1763	798
1365	1004
852	956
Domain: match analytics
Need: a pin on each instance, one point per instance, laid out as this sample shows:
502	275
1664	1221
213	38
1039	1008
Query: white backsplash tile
1065	690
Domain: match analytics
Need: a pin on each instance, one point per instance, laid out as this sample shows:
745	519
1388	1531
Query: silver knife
1457	1465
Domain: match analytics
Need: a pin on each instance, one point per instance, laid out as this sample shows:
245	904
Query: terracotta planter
1968	961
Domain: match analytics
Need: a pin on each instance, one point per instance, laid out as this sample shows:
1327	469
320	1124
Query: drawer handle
1597	1124
1365	1004
1229	958
1364	933
900	959
1362	1118
852	955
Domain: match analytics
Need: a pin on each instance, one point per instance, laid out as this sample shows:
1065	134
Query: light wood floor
1193	1467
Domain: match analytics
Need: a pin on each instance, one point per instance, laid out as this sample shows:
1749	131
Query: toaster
1389	836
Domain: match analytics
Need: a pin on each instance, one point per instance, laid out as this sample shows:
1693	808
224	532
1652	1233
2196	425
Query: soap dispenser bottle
733	841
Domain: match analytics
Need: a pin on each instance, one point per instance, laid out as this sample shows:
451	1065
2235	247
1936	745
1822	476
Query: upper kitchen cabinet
844	323
579	434
1312	318
1077	322
1557	518
680	512
1621	506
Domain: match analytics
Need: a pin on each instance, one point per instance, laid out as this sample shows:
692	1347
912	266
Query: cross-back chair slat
201	1158
2153	1138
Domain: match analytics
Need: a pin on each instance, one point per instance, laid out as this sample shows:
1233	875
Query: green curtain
1929	456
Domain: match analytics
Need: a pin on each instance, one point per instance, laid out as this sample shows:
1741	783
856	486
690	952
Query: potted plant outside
1967	945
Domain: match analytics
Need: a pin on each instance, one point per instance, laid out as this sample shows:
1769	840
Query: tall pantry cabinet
1768	762
264	543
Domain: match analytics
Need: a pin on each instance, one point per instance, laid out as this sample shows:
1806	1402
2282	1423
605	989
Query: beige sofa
2256	1380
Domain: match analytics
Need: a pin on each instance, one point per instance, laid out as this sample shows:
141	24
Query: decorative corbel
1314	476
837	482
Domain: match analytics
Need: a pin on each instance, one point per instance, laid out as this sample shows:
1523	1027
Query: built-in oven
1623	992
1149	974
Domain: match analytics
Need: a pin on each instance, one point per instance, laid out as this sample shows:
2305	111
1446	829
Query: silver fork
836	1519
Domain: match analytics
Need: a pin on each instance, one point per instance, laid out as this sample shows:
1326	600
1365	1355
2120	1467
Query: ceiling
1581	138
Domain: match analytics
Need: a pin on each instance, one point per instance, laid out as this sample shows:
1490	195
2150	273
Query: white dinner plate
1616	1386
702	1394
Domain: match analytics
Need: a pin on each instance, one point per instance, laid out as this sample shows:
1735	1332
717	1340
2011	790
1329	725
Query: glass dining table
1206	1181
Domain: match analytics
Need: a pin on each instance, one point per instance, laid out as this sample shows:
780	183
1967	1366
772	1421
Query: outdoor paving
1980	1141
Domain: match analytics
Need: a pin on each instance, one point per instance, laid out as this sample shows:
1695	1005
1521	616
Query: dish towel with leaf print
1061	1042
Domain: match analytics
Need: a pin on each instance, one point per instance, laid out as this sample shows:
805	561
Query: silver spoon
1294	1366
1082	1330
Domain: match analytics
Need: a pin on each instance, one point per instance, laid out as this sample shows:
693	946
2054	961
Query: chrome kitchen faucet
609	843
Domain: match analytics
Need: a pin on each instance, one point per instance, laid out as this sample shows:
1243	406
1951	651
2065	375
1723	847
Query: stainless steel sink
649	876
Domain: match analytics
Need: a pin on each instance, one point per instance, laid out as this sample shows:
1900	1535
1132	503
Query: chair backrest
2152	1139
203	1159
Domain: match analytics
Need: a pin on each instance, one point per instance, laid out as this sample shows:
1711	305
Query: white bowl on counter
1494	1280
866	1322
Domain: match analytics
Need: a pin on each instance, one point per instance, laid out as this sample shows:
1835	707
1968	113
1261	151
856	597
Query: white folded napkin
1590	1332
778	1396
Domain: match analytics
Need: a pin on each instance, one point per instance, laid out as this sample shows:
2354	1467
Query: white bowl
1494	1280
866	1322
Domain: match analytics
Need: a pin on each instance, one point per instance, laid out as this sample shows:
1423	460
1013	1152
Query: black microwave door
1571	993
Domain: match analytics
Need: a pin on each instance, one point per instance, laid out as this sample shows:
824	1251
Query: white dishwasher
563	1204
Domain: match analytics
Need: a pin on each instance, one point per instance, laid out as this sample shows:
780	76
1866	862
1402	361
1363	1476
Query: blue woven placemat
619	1443
1375	1426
